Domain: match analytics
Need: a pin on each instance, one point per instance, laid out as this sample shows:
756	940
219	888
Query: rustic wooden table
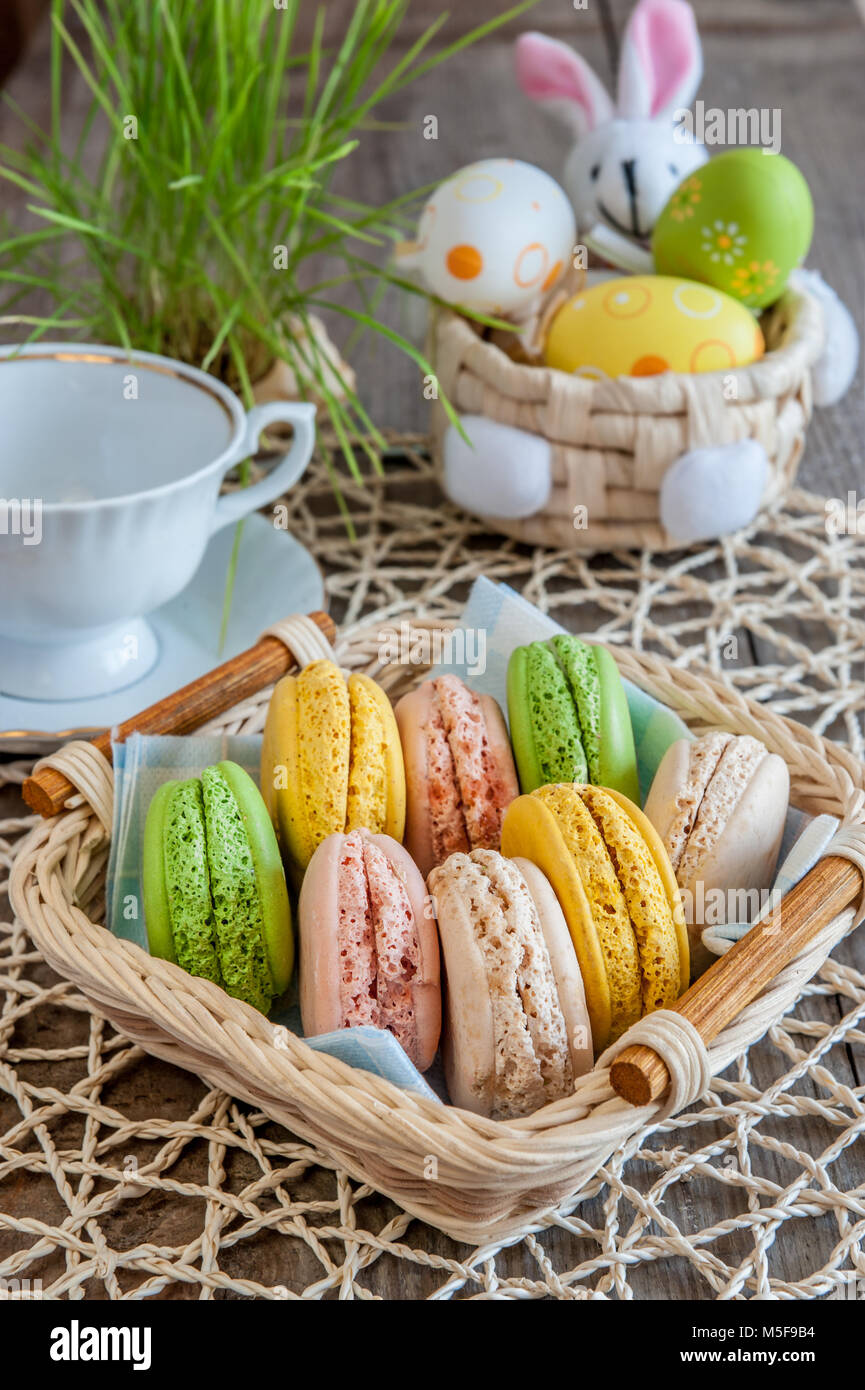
806	57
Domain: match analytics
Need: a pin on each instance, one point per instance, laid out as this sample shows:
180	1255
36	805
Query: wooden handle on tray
639	1075
48	790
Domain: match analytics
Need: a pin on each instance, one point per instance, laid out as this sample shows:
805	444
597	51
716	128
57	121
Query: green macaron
568	716
215	898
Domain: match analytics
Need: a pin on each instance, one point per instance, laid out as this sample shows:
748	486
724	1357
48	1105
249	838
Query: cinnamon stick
639	1075
215	692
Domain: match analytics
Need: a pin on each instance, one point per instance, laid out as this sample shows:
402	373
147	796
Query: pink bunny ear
662	62
550	71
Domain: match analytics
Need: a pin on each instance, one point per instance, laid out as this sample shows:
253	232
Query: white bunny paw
710	492
503	472
836	366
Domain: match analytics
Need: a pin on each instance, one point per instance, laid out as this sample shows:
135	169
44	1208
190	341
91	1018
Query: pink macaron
460	774
369	951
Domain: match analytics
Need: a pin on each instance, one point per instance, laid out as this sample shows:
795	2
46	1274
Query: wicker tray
475	1179
613	441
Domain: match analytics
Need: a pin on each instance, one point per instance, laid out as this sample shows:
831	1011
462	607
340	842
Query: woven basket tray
474	1178
613	441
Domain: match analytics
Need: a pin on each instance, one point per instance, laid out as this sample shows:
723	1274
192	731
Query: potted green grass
193	213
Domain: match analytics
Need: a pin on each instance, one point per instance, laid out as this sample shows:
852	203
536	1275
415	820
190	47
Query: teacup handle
234	505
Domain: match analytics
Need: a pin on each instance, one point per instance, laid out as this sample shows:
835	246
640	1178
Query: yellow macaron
617	890
331	761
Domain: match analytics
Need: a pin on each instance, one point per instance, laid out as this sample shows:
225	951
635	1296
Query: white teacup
110	469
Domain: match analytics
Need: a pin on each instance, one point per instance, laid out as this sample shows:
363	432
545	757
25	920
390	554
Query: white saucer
275	576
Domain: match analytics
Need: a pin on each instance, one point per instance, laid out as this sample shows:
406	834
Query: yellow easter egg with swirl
643	325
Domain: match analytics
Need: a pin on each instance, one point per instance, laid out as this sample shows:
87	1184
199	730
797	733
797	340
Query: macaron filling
447	822
237	908
579	662
563	689
720	766
645	897
467	791
187	882
703	756
554	718
603	890
358	995
377	942
331	760
366	802
324	736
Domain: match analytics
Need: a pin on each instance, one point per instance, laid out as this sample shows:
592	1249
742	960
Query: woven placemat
121	1176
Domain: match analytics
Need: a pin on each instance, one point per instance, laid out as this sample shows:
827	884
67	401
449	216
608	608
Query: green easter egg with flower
742	222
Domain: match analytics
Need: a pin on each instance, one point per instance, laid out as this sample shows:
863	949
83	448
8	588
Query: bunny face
629	156
625	172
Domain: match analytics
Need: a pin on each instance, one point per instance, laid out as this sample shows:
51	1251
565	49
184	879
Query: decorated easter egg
494	237
741	222
646	324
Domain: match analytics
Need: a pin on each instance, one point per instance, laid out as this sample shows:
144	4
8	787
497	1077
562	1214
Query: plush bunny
629	157
628	160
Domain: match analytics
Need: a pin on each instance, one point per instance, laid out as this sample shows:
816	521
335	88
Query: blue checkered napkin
373	1049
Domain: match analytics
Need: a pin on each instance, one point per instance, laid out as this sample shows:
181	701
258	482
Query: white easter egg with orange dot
647	324
495	236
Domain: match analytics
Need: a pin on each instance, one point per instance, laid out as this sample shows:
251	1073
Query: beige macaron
516	1028
719	804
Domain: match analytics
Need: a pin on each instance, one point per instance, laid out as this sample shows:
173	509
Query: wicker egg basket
613	440
476	1179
